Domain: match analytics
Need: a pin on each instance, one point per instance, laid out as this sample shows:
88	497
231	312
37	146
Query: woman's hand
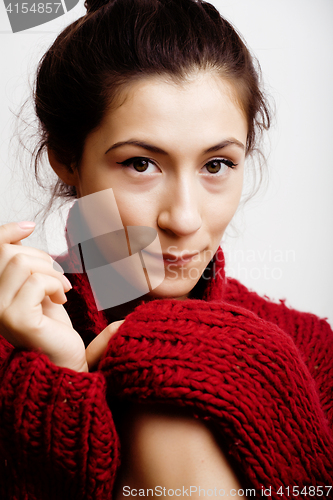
31	296
31	312
97	347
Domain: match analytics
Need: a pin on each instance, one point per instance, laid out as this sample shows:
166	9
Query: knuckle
46	256
37	279
3	306
9	317
50	258
5	251
20	260
4	232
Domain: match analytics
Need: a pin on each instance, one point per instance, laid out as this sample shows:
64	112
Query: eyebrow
155	149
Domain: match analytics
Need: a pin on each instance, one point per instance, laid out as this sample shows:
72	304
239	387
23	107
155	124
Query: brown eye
215	166
140	164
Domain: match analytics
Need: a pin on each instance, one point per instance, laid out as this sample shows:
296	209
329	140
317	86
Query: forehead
201	89
205	105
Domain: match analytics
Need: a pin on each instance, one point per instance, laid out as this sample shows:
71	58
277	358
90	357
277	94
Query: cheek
222	207
135	210
232	203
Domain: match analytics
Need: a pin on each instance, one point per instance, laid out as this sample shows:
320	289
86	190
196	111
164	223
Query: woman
202	382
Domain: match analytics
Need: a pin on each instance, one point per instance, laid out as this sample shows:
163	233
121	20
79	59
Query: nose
180	212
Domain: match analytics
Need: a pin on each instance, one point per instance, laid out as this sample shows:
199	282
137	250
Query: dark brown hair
119	41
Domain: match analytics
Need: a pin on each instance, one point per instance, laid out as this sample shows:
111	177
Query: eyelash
128	162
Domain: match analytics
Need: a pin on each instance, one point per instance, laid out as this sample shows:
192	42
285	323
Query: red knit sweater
260	372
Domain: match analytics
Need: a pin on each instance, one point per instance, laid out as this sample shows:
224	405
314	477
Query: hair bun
93	5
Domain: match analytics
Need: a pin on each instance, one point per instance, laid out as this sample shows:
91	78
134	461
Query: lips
178	259
175	259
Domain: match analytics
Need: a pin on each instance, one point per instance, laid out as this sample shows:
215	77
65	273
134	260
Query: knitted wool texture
261	373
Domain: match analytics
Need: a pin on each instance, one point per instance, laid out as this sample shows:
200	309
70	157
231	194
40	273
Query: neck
121	311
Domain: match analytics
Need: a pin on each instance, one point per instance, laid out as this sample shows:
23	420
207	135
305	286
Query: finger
16	231
25	312
8	251
97	347
18	270
23	321
56	312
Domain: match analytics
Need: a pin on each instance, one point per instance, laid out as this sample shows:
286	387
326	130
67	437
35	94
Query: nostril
180	222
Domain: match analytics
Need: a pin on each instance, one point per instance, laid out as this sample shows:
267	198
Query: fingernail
26	224
57	267
68	283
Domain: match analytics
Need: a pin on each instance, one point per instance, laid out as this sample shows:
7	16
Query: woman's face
174	156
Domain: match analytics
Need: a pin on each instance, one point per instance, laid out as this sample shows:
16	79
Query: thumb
97	347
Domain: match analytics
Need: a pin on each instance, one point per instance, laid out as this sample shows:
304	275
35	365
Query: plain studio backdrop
283	245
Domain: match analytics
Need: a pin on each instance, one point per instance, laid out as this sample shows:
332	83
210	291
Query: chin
173	289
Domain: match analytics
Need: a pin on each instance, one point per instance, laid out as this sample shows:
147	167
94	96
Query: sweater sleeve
312	335
236	370
57	436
